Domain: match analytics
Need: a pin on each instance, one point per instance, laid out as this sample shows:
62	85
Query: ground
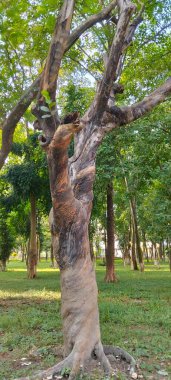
135	314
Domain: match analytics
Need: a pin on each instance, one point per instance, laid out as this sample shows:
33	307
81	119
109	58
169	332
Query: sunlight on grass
48	270
38	270
31	294
134	314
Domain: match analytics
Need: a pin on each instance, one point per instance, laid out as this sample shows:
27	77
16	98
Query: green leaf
46	109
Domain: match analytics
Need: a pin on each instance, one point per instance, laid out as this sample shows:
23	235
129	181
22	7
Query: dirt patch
92	369
17	302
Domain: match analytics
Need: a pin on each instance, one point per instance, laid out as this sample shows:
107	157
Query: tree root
49	373
75	361
122	354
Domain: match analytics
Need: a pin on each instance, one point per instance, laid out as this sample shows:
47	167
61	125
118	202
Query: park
85	206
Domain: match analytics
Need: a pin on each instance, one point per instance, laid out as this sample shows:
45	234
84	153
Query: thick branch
129	37
65	206
141	108
49	120
57	48
15	115
110	73
124	115
92	20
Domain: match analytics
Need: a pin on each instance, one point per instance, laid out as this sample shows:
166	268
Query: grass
135	313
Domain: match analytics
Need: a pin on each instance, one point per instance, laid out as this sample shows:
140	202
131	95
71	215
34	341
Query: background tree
30	183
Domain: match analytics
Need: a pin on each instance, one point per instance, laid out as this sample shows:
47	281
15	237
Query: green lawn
135	314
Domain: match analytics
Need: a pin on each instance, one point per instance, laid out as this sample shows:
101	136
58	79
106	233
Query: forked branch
110	73
124	115
10	123
8	127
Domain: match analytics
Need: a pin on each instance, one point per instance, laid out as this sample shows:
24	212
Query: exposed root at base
122	354
73	364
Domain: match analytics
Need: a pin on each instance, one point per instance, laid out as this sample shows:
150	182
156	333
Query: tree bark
22	252
32	253
110	251
169	253
133	252
3	265
137	238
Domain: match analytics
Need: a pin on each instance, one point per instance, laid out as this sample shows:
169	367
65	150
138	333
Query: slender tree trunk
38	247
127	247
46	254
161	250
137	238
27	246
169	253
3	263
52	256
110	252
92	250
22	252
105	245
134	264
145	249
32	253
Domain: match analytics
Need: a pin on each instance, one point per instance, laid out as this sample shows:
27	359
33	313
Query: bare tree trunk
52	256
22	252
161	250
92	255
145	249
38	247
137	239
3	265
110	251
32	253
133	252
169	253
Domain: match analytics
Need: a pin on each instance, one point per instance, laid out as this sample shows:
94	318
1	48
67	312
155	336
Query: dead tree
71	180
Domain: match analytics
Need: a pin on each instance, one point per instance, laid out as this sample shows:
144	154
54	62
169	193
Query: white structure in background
118	252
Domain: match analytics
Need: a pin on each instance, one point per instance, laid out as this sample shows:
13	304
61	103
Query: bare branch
12	120
30	94
110	73
139	109
118	116
128	39
57	48
92	20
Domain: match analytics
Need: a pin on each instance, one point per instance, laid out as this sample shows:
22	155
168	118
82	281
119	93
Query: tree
71	181
29	181
7	238
110	251
104	196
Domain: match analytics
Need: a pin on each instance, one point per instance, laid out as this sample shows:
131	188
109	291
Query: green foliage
7	235
75	98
